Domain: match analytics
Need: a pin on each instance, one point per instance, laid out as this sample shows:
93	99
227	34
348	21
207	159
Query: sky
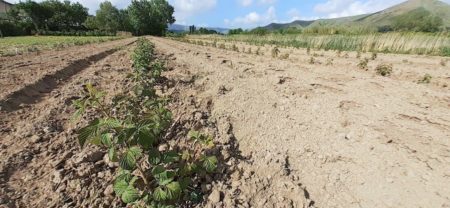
253	13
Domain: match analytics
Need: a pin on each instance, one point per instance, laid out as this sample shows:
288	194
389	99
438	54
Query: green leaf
130	195
163	176
210	163
159	194
154	157
112	154
170	157
120	186
129	159
106	139
88	132
173	190
146	138
110	123
185	182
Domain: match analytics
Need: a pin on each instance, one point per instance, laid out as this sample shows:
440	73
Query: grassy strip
11	46
404	43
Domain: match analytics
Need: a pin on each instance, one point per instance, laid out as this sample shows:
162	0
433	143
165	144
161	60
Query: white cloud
253	19
267	1
187	8
342	8
293	14
245	3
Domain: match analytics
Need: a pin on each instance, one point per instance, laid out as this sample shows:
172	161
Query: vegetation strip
133	127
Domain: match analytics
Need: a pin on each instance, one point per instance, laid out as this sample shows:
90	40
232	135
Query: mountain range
382	18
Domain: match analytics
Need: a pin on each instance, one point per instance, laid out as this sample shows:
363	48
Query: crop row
133	127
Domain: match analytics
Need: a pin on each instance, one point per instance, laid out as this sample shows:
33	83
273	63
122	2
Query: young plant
425	80
275	52
285	56
329	62
363	64
374	55
384	69
132	127
312	60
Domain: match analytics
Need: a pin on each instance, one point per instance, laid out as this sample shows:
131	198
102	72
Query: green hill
412	10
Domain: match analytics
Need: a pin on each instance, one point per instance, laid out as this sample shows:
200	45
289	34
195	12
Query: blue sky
252	13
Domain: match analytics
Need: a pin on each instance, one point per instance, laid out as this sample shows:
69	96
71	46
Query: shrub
384	69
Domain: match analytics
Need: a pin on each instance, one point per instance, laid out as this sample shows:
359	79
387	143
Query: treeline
54	17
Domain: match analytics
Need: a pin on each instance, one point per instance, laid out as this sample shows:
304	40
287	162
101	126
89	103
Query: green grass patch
11	46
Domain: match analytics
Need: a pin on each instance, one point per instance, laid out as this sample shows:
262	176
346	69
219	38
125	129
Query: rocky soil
290	133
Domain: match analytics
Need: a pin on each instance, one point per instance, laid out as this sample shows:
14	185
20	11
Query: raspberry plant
132	127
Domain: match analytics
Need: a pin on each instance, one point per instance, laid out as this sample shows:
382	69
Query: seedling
363	64
425	80
275	52
384	69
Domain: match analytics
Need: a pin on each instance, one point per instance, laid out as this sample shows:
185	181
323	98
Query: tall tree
37	13
150	17
108	17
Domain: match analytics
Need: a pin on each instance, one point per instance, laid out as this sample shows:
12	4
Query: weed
258	51
312	60
249	51
275	52
425	80
284	56
374	55
234	48
384	69
338	53
363	64
222	46
358	54
329	62
308	50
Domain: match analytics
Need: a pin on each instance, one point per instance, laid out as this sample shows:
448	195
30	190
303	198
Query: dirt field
300	134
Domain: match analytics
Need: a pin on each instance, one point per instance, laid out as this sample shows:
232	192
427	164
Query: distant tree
192	29
65	15
37	13
235	31
150	17
259	31
124	21
107	17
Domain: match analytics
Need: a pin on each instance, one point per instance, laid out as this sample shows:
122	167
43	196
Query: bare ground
327	135
293	134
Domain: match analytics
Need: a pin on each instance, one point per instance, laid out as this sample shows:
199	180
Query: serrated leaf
146	138
163	176
120	186
154	157
159	194
106	139
173	190
112	154
110	123
170	157
88	132
210	163
130	195
130	157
